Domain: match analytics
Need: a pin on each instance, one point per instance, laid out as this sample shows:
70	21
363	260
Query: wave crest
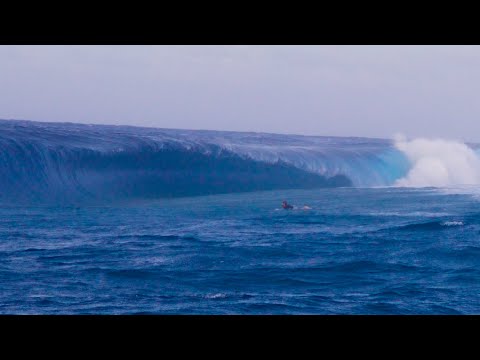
71	162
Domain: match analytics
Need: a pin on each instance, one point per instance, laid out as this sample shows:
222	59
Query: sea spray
438	163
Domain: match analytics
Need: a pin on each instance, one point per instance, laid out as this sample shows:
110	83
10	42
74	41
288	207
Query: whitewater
98	219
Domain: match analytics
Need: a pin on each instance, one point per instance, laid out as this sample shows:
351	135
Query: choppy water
357	251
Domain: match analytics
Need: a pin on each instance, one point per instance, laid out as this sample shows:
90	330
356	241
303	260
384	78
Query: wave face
63	162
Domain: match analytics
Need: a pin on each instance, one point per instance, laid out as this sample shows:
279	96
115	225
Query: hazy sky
374	91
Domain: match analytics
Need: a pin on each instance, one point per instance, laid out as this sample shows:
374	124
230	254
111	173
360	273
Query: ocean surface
121	220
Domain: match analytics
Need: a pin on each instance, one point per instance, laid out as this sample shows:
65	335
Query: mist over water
438	163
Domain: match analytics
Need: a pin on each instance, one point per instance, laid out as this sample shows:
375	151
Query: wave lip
71	162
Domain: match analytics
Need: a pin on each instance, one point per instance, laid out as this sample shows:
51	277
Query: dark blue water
356	251
124	220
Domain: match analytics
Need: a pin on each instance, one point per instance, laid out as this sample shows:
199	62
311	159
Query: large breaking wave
72	162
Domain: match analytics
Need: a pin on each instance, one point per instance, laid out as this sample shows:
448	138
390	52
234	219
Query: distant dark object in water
286	205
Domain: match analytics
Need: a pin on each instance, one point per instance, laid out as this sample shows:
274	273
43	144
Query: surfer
286	205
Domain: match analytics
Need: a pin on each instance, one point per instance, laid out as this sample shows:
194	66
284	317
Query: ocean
122	220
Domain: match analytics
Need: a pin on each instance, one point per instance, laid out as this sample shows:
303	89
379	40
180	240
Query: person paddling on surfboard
286	205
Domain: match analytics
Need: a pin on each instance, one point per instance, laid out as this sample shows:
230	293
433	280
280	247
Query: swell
71	163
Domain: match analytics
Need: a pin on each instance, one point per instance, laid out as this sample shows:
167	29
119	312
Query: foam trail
438	163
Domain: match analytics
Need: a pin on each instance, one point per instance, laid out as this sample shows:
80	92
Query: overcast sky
374	91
